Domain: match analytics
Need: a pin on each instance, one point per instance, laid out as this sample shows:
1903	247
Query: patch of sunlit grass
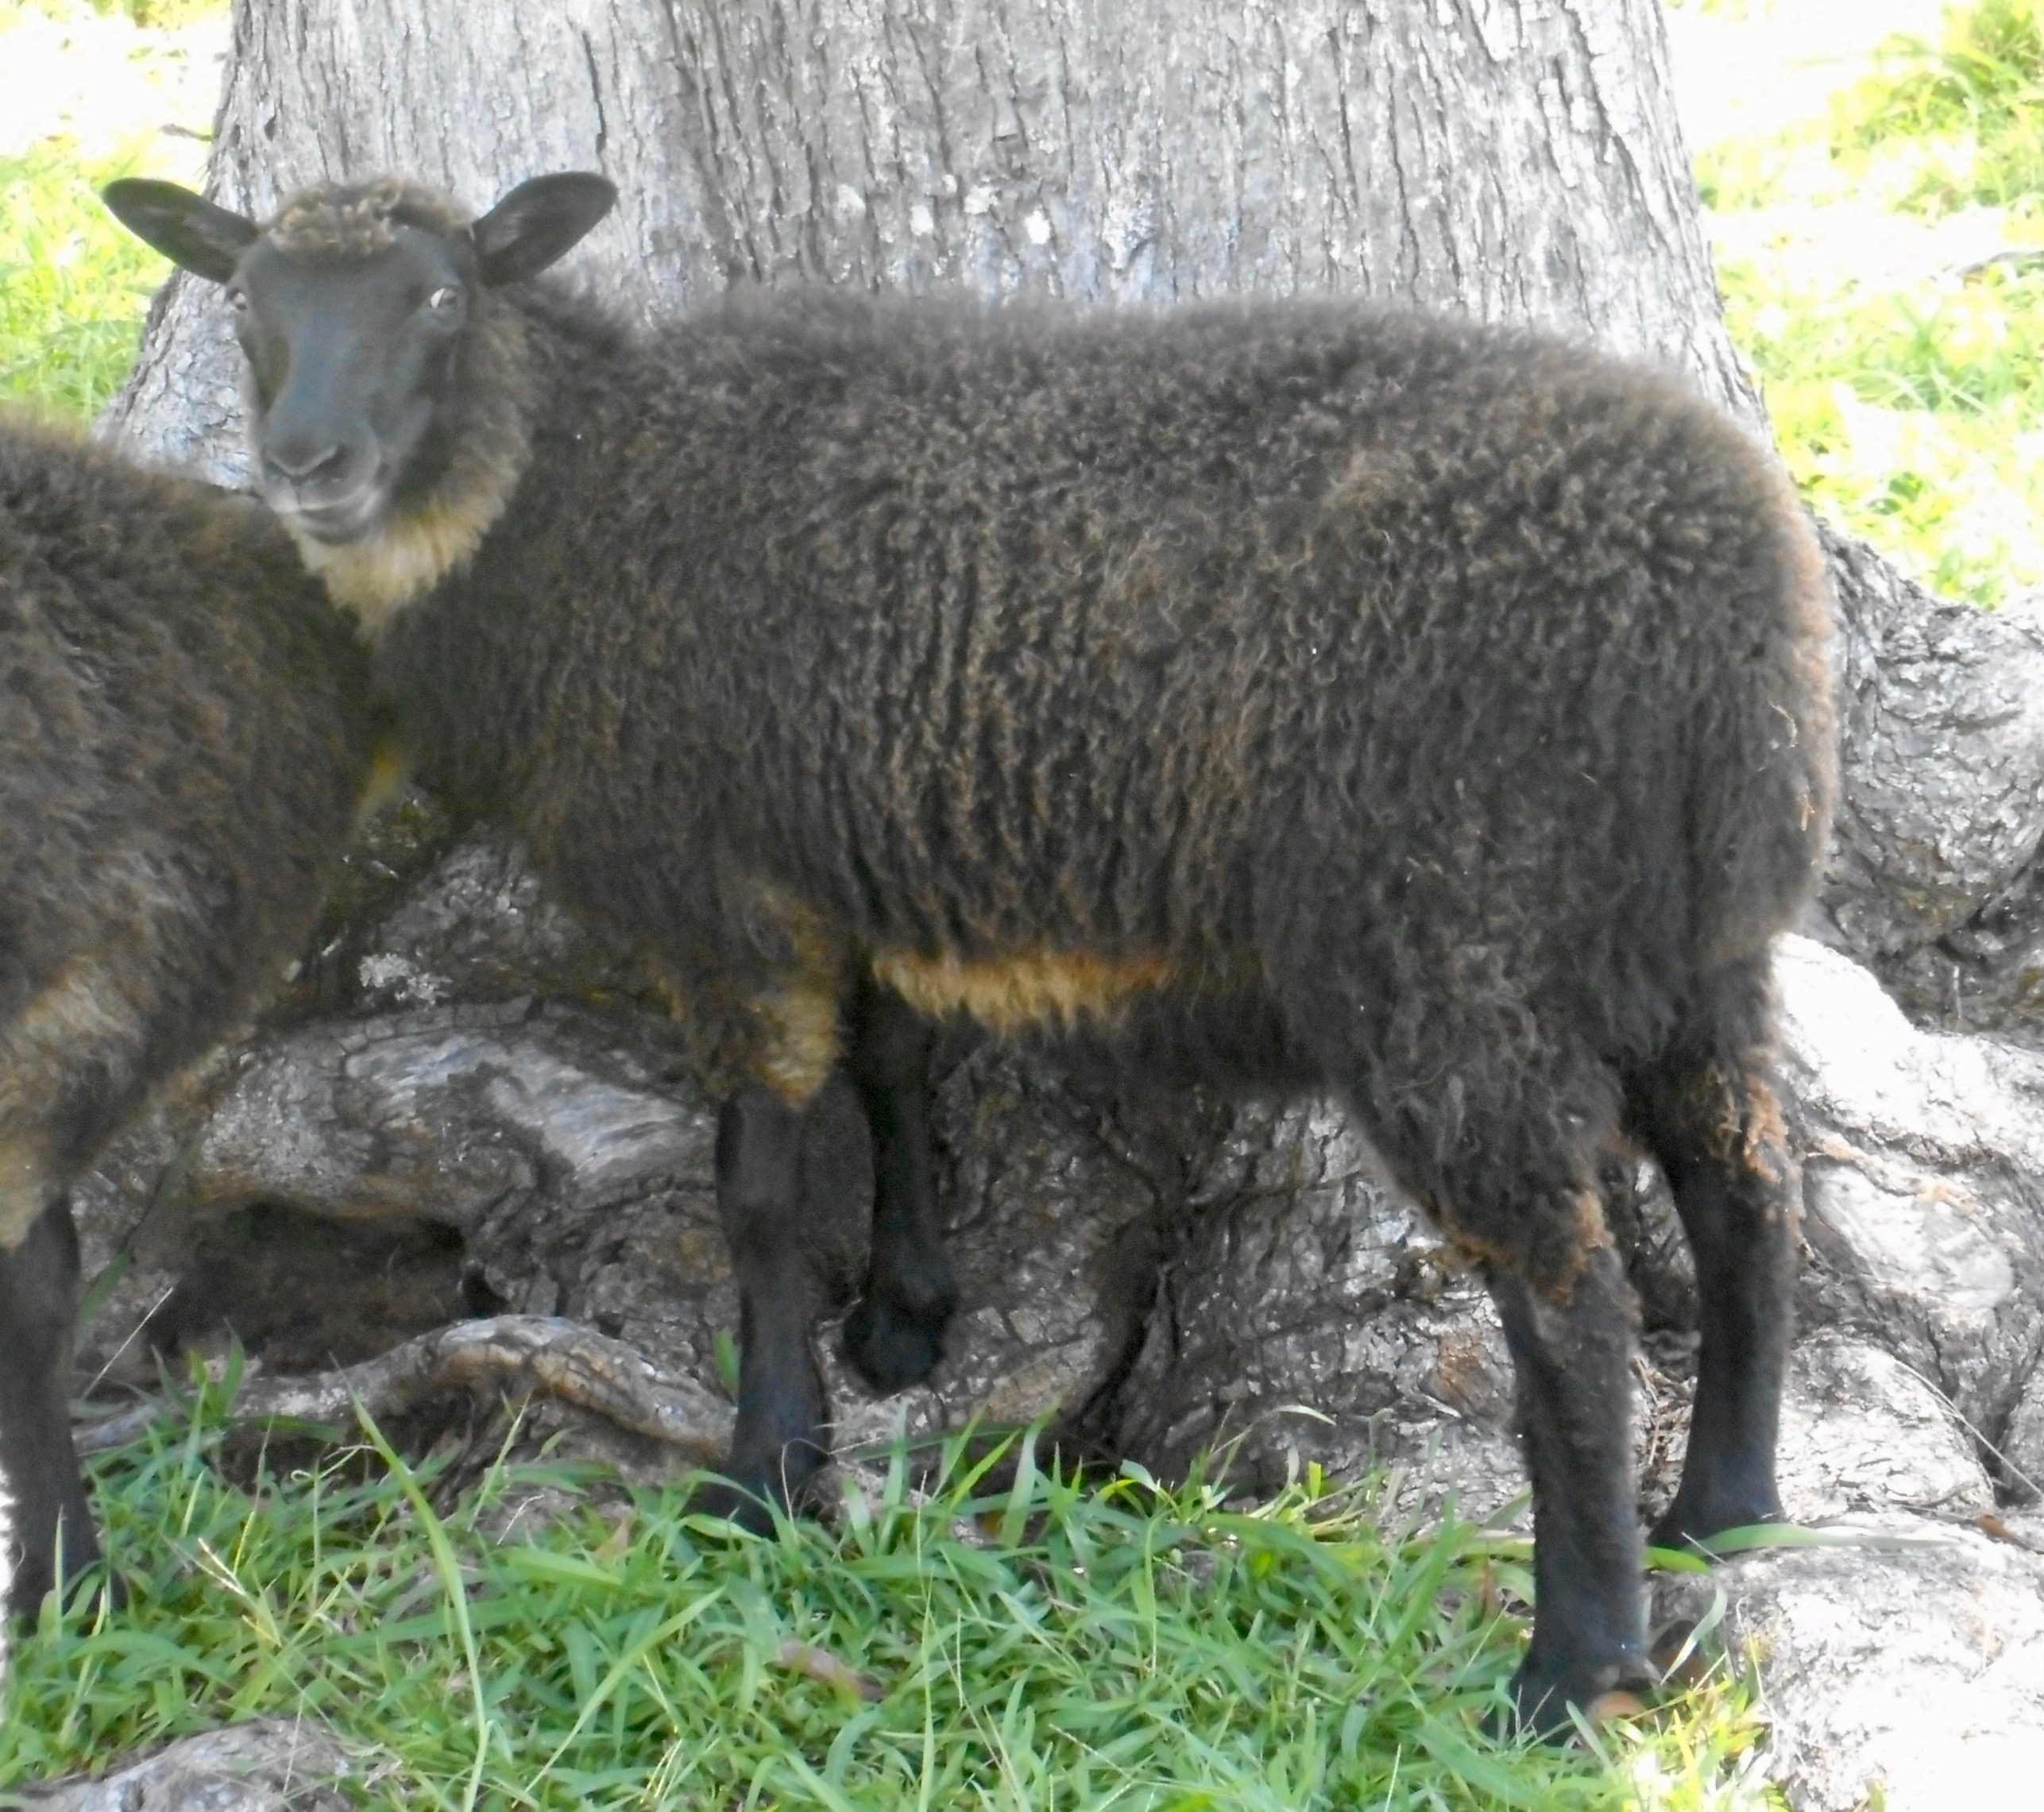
1043	1643
1883	269
73	285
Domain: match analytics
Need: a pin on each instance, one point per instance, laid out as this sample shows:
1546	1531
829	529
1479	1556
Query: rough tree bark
1516	161
1162	1274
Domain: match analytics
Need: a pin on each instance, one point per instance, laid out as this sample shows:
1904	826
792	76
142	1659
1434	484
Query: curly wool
1436	712
184	725
357	220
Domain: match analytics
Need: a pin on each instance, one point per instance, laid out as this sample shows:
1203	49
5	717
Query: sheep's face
350	361
356	308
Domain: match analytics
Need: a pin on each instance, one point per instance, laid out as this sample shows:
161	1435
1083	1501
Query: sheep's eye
443	298
237	299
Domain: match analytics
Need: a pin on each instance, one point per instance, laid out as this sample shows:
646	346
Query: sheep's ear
187	228
537	222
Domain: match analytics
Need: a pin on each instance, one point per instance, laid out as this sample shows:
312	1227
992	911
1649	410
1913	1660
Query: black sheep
184	729
1296	693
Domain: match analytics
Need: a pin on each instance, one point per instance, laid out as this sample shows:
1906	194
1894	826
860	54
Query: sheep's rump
183	727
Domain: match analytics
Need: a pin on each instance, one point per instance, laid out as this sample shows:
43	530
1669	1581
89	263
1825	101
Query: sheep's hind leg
782	1437
47	1508
1484	1115
1713	1123
895	1335
1571	1358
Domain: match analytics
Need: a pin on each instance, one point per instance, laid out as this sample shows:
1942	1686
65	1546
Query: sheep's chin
345	522
398	555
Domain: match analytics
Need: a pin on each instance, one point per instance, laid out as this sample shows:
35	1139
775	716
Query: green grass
1912	417
73	285
1974	101
1125	1646
1882	270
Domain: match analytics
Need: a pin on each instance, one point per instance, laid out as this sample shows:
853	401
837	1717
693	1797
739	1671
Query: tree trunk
1515	161
1168	1275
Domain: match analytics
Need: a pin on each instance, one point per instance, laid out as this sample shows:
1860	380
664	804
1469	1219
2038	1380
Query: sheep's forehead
357	220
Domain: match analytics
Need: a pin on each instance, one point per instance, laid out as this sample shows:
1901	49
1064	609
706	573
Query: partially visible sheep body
1463	694
1285	692
183	728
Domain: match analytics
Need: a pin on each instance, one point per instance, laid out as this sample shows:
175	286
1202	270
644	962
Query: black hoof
892	1347
747	1509
35	1575
36	1567
749	1494
27	1590
1542	1693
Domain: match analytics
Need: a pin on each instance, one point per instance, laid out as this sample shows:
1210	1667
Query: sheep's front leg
1572	1359
782	1438
895	1335
38	1304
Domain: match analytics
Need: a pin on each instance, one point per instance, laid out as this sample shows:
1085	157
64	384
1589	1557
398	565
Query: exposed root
513	1355
273	1764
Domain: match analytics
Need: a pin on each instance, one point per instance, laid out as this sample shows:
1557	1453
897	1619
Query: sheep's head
382	414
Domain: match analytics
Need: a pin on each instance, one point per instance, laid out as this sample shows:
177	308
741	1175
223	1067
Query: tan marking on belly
1031	987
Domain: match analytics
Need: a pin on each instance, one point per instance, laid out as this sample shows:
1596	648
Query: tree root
514	1355
273	1764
